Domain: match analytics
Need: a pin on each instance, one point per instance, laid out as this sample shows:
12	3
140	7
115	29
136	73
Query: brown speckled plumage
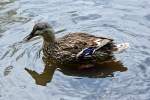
65	49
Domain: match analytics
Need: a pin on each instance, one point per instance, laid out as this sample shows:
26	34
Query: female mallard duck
74	47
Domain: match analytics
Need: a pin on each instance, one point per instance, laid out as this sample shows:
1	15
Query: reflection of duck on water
98	70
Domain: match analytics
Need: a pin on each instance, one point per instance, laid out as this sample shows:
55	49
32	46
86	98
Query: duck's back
70	45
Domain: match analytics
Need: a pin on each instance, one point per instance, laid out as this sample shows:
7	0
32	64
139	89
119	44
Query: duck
74	47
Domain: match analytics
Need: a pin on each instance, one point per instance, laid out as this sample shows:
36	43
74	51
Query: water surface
24	75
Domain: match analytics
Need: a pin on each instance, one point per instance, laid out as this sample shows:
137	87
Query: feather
87	52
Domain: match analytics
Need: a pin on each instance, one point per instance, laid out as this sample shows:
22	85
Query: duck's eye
39	28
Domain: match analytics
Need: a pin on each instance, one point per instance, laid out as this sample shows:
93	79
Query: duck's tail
121	47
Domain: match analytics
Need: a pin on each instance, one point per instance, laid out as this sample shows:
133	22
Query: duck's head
42	29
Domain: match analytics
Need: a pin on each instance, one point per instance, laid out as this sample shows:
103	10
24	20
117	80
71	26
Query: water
22	74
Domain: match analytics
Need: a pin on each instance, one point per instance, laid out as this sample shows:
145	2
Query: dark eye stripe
39	28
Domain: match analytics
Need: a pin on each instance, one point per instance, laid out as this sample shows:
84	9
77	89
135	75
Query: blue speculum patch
87	52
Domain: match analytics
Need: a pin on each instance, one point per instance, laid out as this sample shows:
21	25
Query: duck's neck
49	38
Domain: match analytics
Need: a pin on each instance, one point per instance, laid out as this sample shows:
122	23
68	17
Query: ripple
84	18
147	61
7	70
148	17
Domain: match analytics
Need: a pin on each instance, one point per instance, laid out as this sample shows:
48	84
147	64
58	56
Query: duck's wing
77	43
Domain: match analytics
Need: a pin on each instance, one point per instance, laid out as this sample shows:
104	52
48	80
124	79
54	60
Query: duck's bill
29	37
